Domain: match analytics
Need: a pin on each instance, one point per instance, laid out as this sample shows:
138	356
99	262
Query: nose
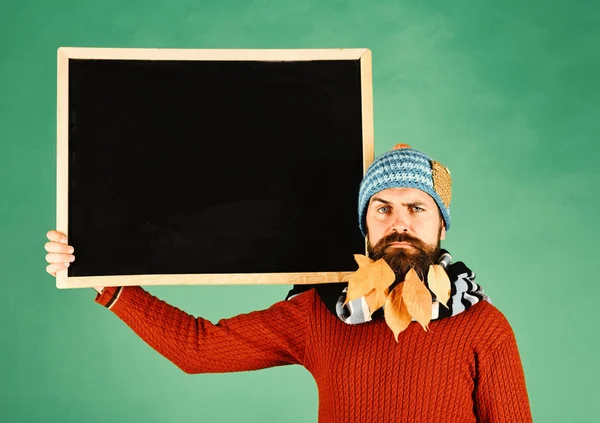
400	222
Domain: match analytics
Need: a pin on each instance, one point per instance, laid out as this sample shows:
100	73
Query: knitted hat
404	167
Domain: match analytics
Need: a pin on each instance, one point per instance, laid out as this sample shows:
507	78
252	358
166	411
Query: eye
383	209
417	209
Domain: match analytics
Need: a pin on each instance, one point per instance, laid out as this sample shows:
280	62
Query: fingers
57	236
60	254
60	258
57	247
56	267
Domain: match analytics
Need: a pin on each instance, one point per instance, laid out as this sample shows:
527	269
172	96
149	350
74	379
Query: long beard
401	259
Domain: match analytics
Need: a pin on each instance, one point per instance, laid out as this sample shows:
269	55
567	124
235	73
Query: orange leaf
417	298
362	260
395	311
376	299
370	276
439	283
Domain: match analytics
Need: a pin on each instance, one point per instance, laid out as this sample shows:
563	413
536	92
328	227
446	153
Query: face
404	227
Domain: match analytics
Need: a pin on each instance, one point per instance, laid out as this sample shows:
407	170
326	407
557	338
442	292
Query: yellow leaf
362	260
439	283
395	311
417	298
370	276
376	299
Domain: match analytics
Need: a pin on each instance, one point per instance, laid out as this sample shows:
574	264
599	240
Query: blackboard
211	166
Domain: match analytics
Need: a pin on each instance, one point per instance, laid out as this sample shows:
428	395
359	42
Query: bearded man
466	368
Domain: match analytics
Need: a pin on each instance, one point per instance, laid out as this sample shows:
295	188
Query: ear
443	232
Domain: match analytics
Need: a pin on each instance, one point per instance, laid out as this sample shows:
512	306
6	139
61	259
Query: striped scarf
464	294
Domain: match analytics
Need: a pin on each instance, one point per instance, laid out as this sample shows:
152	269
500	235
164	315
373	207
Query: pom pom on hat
405	167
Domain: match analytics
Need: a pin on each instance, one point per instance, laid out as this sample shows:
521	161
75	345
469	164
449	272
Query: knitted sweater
466	369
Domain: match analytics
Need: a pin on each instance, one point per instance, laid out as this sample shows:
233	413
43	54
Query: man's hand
60	254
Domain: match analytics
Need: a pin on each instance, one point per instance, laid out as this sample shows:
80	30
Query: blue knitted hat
404	167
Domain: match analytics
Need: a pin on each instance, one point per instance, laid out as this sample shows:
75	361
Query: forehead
403	195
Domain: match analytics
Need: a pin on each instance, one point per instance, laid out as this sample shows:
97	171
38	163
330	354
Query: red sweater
466	369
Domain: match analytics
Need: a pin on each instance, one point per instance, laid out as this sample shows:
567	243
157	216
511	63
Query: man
466	368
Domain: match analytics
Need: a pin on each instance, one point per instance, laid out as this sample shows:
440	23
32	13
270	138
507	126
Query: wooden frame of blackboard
65	54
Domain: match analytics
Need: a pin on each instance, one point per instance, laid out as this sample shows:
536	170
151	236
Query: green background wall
504	93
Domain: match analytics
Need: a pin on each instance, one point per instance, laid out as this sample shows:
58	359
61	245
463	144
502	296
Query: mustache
400	237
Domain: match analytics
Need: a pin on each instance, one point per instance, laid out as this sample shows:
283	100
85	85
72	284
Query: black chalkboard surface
200	166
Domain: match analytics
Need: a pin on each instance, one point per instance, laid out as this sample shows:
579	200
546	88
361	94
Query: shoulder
479	324
486	313
301	302
487	327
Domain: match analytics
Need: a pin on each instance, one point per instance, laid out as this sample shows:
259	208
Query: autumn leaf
376	299
439	283
362	260
371	276
417	298
395	311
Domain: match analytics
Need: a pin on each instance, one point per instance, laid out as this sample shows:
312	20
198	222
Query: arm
256	340
501	394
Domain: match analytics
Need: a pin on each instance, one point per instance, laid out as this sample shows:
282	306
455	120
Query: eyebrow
409	204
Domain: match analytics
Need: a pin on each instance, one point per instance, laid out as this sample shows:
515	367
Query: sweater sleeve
501	394
272	337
